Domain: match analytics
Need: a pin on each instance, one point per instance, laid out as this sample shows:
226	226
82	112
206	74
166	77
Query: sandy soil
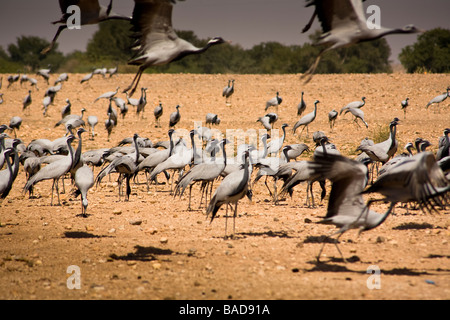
153	248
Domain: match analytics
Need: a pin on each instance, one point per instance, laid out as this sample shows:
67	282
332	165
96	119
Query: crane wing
334	14
152	23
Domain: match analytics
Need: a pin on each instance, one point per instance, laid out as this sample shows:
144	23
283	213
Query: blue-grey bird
91	12
27	101
229	91
405	104
306	120
175	117
346	206
84	180
354	104
66	110
126	166
156	41
344	23
15	123
332	116
107	95
418	179
358	114
301	107
233	188
158	112
212	118
438	99
54	171
274	102
92	122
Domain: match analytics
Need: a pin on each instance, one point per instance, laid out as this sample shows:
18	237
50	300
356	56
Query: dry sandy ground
177	254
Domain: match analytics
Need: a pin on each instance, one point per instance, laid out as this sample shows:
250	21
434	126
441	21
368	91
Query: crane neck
265	150
194	149
77	157
136	148
224	155
285	152
69	145
170	144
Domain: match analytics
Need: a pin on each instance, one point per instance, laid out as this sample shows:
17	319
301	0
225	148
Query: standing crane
301	107
274	102
233	188
438	99
405	104
54	171
175	117
306	120
158	112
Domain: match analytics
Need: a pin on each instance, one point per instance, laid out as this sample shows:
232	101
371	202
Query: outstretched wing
152	23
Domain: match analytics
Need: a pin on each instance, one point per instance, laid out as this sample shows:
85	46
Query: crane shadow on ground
331	266
413	226
142	254
82	235
270	233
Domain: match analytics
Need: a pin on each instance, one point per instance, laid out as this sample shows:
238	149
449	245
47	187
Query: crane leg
50	47
135	81
234	218
190	191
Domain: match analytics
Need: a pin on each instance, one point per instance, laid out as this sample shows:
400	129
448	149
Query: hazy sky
244	22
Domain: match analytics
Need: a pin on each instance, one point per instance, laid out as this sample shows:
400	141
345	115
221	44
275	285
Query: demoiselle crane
344	23
156	41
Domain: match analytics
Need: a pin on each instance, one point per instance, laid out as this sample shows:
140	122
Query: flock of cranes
205	162
421	178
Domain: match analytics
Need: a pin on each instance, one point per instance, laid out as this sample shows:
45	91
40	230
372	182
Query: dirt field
153	248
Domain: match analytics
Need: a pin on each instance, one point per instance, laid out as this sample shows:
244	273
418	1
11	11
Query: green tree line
112	45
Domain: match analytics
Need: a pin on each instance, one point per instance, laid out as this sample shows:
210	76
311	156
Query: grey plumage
405	104
438	99
174	117
54	171
346	207
344	23
107	95
92	121
142	102
66	110
301	107
233	188
109	125
274	102
228	91
206	172
84	180
156	41
15	123
71	117
158	112
306	120
212	118
91	12
27	101
332	116
275	145
126	166
6	175
418	179
358	114
354	104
